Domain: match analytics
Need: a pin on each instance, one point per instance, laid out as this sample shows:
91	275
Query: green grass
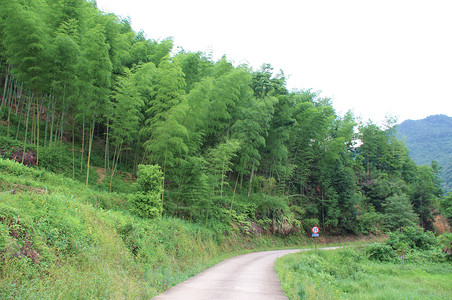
61	239
348	274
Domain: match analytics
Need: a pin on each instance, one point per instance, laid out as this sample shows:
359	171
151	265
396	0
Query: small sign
315	235
315	229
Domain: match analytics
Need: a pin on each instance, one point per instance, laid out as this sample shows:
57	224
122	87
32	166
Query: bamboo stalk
26	130
251	181
53	121
233	196
89	151
55	135
18	126
115	165
62	115
47	123
6	86
37	130
10	96
19	95
32	138
107	158
113	169
83	143
61	128
73	151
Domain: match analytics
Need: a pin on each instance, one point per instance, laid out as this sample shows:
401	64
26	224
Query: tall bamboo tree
97	73
127	103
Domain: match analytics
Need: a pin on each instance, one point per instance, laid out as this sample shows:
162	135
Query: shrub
445	241
150	178
146	205
369	222
309	223
414	236
446	207
419	257
380	252
399	212
56	159
146	202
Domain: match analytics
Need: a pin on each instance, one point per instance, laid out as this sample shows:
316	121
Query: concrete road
249	276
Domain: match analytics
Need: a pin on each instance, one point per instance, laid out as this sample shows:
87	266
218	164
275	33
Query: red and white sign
315	229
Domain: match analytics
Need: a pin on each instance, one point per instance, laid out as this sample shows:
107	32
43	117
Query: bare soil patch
101	173
441	225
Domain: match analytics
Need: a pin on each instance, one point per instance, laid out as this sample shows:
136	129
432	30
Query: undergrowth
350	274
61	239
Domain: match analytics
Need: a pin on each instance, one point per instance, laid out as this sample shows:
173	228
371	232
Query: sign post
315	235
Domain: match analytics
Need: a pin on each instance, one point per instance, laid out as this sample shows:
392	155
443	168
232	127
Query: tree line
71	73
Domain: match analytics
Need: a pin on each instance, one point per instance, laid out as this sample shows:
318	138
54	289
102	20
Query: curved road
249	276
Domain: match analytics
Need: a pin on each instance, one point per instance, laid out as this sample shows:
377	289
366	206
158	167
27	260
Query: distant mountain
430	139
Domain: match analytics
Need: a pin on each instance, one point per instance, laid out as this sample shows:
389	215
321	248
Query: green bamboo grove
225	137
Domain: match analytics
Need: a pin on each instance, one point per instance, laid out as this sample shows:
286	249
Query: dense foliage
412	243
233	144
146	201
350	274
59	239
430	139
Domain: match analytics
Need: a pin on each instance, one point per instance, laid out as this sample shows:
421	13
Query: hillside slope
62	240
430	139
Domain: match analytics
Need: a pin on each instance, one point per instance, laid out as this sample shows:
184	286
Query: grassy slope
60	239
346	274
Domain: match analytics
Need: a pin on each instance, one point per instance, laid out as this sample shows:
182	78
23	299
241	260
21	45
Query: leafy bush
380	252
445	241
399	212
368	222
146	205
446	207
410	241
147	202
150	178
414	236
56	159
309	223
419	257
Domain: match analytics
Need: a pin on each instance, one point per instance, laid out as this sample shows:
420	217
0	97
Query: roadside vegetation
410	264
59	239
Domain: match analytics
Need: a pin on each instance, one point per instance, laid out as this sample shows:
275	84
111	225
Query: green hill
430	139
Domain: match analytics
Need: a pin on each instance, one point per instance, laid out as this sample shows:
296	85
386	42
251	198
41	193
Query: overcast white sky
375	57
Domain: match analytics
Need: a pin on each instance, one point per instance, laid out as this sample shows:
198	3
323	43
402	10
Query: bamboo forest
179	134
